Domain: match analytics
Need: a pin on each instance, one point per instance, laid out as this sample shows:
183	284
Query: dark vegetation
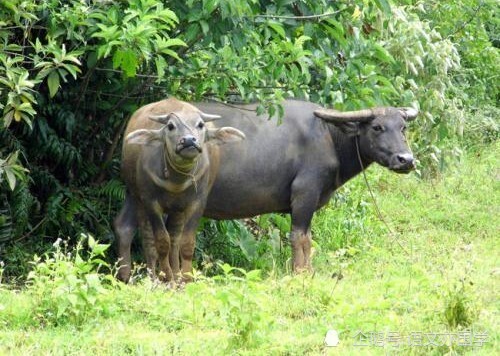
72	72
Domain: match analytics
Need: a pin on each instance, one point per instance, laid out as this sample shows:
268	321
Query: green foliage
460	307
72	72
71	286
11	171
483	127
240	312
258	243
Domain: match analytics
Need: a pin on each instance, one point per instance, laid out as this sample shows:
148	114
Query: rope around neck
379	214
190	174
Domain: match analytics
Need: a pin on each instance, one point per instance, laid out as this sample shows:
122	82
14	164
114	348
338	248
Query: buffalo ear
143	137
350	128
224	135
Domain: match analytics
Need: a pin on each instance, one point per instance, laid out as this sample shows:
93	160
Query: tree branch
306	17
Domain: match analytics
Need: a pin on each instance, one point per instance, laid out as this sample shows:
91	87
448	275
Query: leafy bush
240	309
258	243
70	286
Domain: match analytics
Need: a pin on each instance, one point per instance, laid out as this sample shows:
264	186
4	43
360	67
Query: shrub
72	286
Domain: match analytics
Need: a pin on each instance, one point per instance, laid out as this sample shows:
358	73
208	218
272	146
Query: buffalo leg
162	245
148	241
187	244
175	226
125	225
301	249
304	203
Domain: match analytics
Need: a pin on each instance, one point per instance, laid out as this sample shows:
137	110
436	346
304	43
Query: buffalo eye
378	128
170	126
201	125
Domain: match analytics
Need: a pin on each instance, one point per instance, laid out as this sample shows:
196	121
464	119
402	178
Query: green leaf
117	59
171	53
299	42
385	6
253	275
7	119
27	108
204	26
12	159
278	28
53	83
91	241
210	5
11	178
174	42
91	59
129	63
160	66
72	69
382	54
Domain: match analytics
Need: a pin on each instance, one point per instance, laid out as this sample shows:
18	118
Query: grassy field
435	277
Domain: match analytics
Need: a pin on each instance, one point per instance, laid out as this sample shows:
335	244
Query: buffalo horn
209	117
345	116
409	113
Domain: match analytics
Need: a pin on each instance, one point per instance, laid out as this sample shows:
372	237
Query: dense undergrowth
436	273
72	72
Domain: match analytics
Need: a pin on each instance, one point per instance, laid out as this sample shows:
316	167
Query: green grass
445	280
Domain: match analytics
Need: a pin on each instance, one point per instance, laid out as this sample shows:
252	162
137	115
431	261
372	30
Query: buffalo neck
173	180
347	154
185	169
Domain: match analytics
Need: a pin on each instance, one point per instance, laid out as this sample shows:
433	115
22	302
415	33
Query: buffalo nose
188	140
406	159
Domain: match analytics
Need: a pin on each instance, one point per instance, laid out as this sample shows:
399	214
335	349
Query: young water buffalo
168	169
296	166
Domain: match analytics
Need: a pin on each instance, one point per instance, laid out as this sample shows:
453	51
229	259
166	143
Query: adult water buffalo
168	169
296	166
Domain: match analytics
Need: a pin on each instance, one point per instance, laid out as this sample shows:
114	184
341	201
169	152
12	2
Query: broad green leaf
382	54
27	108
171	53
129	63
210	5
174	42
53	83
160	66
12	159
72	69
117	59
11	178
73	59
91	241
7	119
278	28
91	59
204	26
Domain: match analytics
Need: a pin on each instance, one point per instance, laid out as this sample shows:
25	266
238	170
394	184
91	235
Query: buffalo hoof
303	270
